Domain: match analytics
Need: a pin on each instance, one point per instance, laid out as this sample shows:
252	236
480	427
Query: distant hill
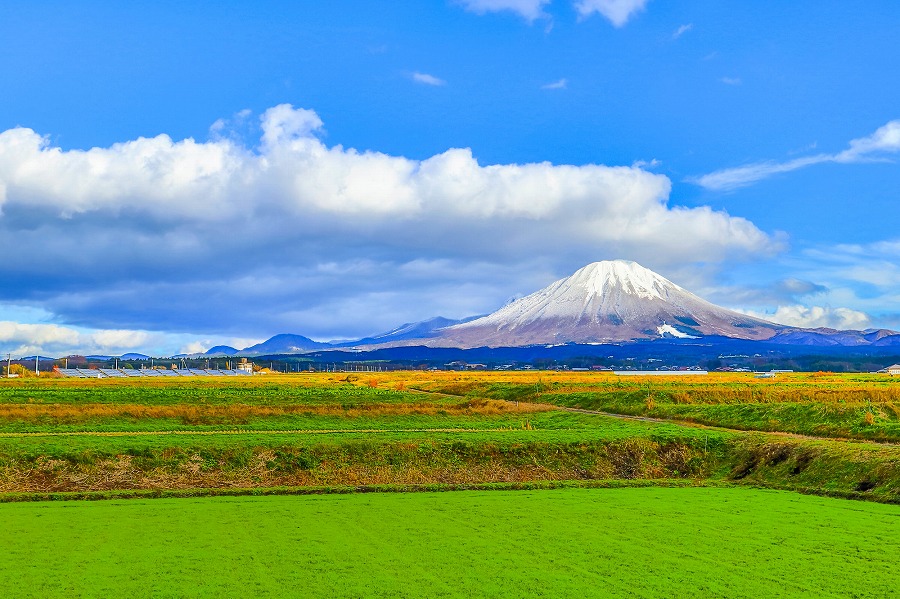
825	337
283	344
220	351
424	329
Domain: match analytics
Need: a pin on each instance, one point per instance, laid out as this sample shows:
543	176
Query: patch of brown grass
197	414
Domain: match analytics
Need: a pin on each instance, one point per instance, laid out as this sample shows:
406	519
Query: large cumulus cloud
296	234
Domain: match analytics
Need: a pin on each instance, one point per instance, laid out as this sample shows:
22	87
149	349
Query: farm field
860	406
642	542
60	436
563	484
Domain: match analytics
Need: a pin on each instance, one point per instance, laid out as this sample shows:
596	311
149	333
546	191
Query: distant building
245	366
893	370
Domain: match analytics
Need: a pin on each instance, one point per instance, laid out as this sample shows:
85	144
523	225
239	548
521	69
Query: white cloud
427	79
24	338
646	164
559	84
734	178
128	237
862	279
528	9
816	316
296	173
884	141
682	30
731	80
618	12
284	123
862	276
119	339
195	347
42	334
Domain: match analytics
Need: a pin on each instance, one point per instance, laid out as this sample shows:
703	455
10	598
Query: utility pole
37	371
9	366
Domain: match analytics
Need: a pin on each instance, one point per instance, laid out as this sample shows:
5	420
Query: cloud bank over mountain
217	236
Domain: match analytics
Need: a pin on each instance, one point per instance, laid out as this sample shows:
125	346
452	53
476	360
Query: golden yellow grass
729	388
713	388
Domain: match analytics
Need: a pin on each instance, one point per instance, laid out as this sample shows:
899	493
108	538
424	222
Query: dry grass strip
72	413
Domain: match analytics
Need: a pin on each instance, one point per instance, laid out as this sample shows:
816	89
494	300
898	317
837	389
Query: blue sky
177	175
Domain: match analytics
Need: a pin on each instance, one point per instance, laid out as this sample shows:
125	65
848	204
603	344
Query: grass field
415	428
648	542
862	406
261	486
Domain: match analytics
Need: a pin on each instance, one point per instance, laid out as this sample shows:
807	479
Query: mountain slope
220	351
283	344
605	302
424	329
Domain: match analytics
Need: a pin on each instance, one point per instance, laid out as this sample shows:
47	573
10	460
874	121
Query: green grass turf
556	419
810	418
550	420
200	391
808	408
546	427
641	542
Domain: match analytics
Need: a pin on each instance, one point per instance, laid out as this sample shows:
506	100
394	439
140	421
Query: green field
105	437
301	485
860	406
646	542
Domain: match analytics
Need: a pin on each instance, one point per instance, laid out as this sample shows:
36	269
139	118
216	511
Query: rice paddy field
564	483
640	542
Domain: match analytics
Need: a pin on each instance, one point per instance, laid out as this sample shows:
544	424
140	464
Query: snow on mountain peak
600	278
613	289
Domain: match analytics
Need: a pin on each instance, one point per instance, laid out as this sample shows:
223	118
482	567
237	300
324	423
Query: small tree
19	371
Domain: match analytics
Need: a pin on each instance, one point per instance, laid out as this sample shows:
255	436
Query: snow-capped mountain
604	302
607	301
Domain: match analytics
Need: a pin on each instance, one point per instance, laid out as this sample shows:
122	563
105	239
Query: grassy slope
651	542
51	464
